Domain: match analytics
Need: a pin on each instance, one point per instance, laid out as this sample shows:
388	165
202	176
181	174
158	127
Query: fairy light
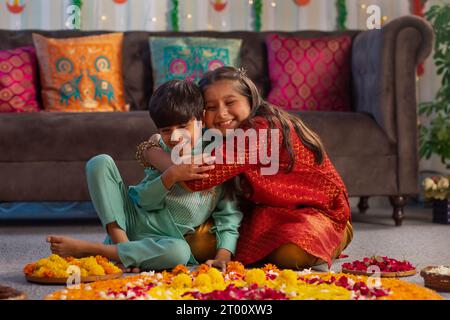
385	18
189	16
250	2
363	6
273	4
104	18
154	19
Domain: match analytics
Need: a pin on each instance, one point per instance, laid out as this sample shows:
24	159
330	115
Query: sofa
374	147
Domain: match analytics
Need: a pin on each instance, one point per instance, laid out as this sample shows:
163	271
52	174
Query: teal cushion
190	57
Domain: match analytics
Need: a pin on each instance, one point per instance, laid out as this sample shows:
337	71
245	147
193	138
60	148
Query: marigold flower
255	276
182	280
235	266
203	281
180	269
270	267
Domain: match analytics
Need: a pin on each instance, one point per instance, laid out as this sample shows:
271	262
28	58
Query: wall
199	15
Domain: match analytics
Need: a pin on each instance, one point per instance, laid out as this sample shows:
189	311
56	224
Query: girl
299	217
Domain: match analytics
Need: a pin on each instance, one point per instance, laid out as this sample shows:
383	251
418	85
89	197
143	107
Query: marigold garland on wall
15	6
301	3
342	13
174	15
257	12
219	5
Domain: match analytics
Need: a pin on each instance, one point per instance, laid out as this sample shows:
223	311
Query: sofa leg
363	205
398	202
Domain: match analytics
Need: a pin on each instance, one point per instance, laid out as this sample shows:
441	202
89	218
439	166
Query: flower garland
257	12
342	14
73	21
238	283
174	15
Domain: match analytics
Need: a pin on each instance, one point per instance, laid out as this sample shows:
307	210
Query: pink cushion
310	74
18	80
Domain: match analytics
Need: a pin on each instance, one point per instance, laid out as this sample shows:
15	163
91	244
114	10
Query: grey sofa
42	155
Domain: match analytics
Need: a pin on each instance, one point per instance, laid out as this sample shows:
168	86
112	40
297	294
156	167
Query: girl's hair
260	107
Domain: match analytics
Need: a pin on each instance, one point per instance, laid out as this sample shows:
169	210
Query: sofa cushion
136	64
310	74
190	57
18	80
81	74
66	136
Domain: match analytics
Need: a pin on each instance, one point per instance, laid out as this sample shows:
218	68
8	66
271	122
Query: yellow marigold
203	281
287	277
319	292
255	276
182	280
270	267
235	266
217	280
180	269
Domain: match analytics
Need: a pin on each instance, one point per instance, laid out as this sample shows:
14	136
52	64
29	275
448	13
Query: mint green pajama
156	219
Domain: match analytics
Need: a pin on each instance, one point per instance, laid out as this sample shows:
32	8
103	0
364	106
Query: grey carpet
418	240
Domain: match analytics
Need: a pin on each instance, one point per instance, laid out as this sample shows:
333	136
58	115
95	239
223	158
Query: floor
418	240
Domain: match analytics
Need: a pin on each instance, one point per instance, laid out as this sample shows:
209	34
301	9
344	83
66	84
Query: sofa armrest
384	71
383	65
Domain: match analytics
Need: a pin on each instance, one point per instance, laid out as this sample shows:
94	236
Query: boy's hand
223	256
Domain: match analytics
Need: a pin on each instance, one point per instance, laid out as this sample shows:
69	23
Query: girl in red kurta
296	218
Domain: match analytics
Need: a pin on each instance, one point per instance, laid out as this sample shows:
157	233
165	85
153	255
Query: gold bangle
141	148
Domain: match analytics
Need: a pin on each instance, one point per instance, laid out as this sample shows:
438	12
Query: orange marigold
29	269
180	269
235	266
203	268
270	267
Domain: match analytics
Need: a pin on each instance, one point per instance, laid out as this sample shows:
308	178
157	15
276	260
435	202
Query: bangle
141	148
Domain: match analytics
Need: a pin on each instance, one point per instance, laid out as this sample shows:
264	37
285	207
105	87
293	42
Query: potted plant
435	137
437	189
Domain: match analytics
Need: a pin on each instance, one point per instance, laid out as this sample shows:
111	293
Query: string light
250	2
154	19
103	18
273	4
189	16
363	6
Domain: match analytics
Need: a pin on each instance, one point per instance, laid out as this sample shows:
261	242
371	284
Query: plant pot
441	211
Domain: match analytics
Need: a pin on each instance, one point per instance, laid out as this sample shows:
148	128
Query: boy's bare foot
68	247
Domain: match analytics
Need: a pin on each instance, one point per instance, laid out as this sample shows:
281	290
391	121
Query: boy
148	225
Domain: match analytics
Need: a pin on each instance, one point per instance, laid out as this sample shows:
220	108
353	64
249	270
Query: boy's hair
176	102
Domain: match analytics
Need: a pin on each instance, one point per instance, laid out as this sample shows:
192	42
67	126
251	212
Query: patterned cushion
81	74
189	58
18	80
310	74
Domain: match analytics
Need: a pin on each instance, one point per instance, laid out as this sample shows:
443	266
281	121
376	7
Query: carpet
418	240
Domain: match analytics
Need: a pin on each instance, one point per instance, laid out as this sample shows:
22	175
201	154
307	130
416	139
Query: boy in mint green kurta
155	216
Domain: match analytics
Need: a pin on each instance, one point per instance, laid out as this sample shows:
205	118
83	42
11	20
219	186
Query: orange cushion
81	74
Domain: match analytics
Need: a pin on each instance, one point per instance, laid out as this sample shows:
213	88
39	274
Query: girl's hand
184	172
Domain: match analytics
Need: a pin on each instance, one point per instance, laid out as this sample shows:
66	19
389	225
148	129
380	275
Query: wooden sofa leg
398	202
363	205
